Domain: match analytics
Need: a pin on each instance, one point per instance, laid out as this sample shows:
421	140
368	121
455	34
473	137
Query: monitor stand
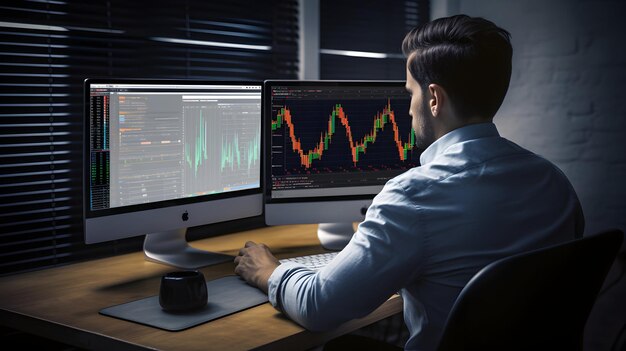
171	248
335	236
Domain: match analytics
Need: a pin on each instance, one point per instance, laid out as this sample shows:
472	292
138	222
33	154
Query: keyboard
313	262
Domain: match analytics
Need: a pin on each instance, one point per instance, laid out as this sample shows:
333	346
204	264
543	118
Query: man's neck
451	123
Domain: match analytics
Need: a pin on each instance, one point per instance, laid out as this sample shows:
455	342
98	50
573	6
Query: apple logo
185	216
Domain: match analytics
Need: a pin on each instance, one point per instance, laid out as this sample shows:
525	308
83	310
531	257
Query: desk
63	303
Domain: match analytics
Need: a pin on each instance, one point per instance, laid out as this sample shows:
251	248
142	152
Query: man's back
477	198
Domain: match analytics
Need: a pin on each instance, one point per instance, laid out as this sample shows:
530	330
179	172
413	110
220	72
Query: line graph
233	158
196	149
358	147
221	147
233	151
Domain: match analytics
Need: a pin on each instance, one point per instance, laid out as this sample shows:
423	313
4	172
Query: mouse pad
227	295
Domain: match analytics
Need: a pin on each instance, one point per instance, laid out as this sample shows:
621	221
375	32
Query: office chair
538	300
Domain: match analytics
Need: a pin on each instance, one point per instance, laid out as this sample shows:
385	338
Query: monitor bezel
266	137
88	213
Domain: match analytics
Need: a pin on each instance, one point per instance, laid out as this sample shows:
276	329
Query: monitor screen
165	155
331	146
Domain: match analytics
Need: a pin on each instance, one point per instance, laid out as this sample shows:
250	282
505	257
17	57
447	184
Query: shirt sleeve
382	256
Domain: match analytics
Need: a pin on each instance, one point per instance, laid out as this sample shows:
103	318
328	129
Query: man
475	198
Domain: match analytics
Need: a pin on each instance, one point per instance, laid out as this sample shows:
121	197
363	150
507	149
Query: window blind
362	39
48	48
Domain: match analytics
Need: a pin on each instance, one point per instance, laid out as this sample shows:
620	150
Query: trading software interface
151	143
339	140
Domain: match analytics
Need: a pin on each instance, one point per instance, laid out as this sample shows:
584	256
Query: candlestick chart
350	135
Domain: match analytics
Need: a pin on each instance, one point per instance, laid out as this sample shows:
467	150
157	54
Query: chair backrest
536	300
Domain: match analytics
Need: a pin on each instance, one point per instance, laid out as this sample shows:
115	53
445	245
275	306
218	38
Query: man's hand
255	264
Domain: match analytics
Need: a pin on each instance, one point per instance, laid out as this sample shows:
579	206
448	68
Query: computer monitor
161	156
330	146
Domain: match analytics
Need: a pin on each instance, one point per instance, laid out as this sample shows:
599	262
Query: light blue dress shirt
476	197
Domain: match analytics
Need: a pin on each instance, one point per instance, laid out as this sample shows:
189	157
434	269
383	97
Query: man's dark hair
470	57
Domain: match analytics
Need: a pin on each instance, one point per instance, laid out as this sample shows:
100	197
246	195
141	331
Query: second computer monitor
161	156
330	148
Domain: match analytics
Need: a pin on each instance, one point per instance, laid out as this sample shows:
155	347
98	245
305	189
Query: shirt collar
469	132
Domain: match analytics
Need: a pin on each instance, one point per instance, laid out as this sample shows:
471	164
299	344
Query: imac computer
330	147
161	156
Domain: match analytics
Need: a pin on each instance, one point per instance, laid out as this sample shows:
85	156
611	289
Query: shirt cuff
276	278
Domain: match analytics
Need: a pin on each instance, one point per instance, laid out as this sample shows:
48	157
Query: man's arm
381	258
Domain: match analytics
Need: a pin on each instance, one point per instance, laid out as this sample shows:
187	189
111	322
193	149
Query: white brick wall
567	98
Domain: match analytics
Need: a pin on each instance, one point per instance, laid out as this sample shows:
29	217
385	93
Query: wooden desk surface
63	303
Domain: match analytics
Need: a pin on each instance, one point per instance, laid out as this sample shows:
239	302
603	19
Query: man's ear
436	99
